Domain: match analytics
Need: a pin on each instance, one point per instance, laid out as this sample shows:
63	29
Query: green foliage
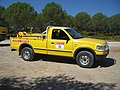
2	9
19	14
82	21
107	36
40	23
53	12
114	24
69	21
2	20
99	23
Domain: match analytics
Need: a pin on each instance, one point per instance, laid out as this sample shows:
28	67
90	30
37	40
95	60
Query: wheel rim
26	54
84	60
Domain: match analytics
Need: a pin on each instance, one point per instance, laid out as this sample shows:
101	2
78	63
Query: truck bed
32	39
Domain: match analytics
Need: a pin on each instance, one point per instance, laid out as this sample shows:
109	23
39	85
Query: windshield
74	34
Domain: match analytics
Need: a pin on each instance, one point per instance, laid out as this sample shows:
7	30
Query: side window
59	34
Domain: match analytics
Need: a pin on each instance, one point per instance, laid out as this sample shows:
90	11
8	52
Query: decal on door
60	45
25	41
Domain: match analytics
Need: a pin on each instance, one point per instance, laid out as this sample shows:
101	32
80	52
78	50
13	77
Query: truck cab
61	41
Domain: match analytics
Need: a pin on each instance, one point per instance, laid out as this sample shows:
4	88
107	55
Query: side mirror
66	38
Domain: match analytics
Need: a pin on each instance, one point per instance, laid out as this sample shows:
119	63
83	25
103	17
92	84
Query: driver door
59	44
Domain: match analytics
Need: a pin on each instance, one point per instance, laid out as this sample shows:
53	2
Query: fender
82	49
24	45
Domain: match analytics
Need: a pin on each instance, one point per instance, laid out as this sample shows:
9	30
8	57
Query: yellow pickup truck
60	41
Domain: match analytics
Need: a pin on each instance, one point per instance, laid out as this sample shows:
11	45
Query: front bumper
101	57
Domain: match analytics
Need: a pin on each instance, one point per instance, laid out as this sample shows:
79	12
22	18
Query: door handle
52	42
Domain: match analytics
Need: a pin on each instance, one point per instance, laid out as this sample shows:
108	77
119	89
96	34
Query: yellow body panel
53	46
101	53
89	43
36	42
3	31
47	45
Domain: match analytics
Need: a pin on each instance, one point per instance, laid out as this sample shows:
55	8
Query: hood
91	41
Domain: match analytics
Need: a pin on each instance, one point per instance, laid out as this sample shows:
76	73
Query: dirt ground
55	73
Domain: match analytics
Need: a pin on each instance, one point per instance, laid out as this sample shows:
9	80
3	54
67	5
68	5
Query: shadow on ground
105	63
57	59
60	82
4	45
102	63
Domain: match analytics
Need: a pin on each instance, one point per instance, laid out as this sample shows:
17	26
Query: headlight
102	47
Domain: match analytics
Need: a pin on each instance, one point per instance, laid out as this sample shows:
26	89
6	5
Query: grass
107	37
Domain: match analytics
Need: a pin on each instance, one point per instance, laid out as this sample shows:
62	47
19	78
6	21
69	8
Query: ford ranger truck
60	41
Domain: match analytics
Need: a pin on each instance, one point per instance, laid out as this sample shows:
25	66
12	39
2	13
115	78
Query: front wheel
27	54
85	59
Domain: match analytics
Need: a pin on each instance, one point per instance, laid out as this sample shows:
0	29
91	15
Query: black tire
27	54
85	59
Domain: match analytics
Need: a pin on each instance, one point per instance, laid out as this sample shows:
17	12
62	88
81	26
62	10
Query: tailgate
14	43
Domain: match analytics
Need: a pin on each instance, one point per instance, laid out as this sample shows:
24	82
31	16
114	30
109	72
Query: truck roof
55	27
58	27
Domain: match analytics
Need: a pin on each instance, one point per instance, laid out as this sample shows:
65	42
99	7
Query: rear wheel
85	59
27	54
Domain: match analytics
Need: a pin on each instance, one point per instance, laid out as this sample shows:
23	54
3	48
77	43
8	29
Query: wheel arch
24	45
84	49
